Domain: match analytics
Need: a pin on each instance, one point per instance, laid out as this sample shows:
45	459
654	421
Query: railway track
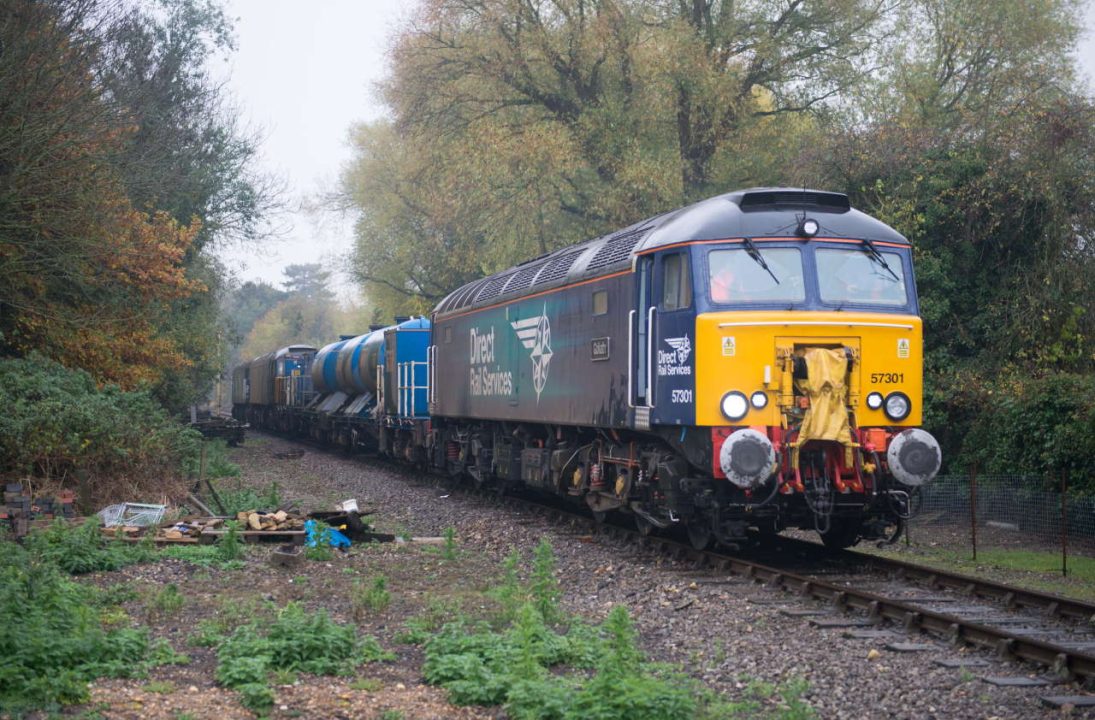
1054	633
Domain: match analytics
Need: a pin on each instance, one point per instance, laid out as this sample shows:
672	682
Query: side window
676	282
600	302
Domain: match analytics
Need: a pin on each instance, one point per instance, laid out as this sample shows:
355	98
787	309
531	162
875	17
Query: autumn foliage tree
106	209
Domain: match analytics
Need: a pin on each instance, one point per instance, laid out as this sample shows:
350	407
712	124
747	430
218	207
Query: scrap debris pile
253	525
136	521
283	525
250	522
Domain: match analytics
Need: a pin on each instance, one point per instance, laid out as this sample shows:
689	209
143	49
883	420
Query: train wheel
700	534
843	533
599	516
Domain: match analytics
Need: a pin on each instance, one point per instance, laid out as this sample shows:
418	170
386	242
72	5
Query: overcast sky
303	74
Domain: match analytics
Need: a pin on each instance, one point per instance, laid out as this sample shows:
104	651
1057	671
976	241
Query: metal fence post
1064	523
973	509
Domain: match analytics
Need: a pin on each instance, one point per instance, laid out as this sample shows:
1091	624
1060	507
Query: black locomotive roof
752	213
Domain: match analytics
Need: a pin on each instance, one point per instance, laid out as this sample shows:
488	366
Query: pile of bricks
20	511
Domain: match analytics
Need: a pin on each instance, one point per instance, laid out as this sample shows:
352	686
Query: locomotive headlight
874	400
734	405
897	406
759	399
808	228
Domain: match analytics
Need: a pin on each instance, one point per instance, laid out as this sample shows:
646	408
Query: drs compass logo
675	360
535	334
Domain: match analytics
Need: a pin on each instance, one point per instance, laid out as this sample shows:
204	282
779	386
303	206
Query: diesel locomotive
749	362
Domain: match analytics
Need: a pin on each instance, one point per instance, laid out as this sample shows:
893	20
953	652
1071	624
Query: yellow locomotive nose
756	353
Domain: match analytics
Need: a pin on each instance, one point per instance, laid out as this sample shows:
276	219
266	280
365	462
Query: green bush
56	423
1038	427
53	642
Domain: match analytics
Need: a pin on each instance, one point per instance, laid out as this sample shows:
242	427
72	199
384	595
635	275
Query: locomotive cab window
676	282
854	276
600	302
755	275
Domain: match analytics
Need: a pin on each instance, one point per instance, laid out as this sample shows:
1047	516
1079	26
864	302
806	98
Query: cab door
672	339
640	342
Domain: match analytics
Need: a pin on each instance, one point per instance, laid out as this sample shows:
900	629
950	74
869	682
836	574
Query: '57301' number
887	378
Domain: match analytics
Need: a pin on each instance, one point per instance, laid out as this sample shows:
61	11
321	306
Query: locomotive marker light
734	405
808	228
913	457
898	406
759	399
874	400
747	458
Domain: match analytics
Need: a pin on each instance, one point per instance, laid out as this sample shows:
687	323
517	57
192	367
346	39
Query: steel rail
1065	662
1011	597
1008	595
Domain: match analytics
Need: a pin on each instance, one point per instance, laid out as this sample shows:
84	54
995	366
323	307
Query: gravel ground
727	634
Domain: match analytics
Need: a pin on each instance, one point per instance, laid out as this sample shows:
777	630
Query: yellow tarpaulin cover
827	416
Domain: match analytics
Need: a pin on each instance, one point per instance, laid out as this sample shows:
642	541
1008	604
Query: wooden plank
256	533
286	536
163	540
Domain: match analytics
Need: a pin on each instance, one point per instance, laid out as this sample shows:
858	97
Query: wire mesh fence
1010	512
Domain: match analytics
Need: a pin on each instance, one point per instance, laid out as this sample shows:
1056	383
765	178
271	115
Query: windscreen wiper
755	254
874	254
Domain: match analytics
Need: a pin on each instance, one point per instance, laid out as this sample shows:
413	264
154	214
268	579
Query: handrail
650	357
630	355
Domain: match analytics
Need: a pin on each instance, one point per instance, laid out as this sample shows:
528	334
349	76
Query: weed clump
229	546
539	672
226	554
54	640
370	597
542	589
449	552
297	641
246	499
86	549
167	601
519	668
541	665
